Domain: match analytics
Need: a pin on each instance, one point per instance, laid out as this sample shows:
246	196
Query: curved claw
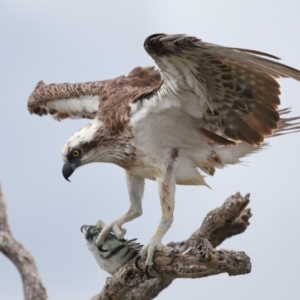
172	258
136	262
101	249
147	271
154	267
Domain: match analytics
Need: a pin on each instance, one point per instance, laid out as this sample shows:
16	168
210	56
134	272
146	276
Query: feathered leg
135	187
166	186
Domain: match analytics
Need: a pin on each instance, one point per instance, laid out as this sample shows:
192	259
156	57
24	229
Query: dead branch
196	256
200	259
32	285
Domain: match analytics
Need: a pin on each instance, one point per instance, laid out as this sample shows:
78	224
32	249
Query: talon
147	271
172	258
154	267
100	225
136	262
101	249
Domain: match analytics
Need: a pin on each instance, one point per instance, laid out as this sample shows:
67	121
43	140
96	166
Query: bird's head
96	143
90	232
83	147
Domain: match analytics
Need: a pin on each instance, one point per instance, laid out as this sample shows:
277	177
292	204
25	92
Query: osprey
206	107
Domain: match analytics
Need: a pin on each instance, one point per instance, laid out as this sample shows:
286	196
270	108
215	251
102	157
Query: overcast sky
77	41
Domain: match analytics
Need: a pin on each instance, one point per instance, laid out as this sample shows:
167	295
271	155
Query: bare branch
149	289
227	220
22	259
202	260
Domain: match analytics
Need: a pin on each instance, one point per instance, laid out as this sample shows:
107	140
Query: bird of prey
117	252
206	106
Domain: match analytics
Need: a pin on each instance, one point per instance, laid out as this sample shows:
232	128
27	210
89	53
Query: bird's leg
166	186
135	185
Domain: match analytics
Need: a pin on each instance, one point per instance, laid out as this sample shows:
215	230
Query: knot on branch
131	277
234	262
231	218
201	247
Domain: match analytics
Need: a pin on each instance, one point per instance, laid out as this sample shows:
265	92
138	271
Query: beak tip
67	171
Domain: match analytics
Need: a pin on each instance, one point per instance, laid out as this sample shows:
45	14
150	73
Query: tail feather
233	154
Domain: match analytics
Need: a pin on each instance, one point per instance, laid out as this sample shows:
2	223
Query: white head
83	147
95	143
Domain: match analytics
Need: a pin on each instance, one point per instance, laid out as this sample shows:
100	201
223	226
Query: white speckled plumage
75	106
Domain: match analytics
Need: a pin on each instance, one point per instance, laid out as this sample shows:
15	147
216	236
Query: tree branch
196	257
32	286
200	258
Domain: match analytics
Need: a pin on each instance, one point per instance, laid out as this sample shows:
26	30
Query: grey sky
75	41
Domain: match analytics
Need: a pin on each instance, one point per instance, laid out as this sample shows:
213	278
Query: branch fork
196	257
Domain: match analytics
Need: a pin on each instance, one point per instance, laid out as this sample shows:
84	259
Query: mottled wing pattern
82	100
118	93
66	100
233	92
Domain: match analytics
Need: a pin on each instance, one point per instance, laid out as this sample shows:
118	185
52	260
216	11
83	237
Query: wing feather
108	99
66	100
232	91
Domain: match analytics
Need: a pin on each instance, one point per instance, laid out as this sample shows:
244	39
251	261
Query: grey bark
32	285
196	257
200	258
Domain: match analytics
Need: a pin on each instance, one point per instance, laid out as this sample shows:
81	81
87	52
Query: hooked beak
68	170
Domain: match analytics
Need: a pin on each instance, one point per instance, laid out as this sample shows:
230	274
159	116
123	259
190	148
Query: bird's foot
148	252
113	227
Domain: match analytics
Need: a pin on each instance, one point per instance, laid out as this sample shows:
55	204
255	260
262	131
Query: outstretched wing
109	98
232	92
66	100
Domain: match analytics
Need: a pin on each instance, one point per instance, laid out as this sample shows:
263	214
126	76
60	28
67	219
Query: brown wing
236	90
82	100
66	100
119	93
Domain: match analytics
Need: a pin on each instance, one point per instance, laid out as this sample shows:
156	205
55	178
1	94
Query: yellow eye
76	153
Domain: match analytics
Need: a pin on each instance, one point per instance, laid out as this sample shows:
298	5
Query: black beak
67	170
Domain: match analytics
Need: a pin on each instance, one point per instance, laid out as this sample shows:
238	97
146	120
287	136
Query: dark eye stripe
71	155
